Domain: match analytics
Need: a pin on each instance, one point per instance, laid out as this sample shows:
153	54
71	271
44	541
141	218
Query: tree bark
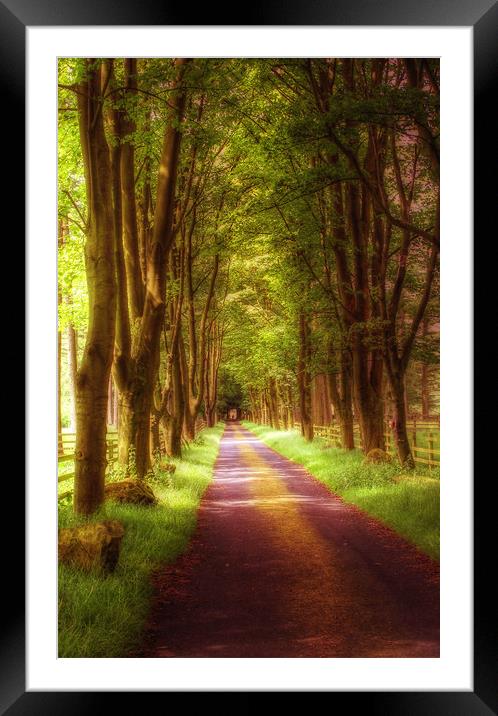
173	420
129	216
400	431
155	437
304	378
136	367
424	379
73	370
197	344
341	395
425	394
60	448
93	374
290	407
272	393
212	367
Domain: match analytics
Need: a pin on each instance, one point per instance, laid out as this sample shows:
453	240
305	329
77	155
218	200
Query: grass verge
408	503
104	617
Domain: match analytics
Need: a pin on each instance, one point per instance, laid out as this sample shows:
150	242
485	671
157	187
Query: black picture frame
15	16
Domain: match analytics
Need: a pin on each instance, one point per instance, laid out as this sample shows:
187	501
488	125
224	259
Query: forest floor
281	567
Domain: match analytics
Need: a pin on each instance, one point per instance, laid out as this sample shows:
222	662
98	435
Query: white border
453	671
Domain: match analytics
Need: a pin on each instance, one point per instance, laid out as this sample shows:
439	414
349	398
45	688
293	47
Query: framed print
44	46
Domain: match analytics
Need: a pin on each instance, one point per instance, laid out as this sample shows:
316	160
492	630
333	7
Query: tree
140	319
93	374
283	259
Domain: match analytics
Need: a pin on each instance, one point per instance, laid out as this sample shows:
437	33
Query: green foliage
262	182
132	462
116	472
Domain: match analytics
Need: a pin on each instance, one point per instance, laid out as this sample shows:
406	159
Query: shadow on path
280	567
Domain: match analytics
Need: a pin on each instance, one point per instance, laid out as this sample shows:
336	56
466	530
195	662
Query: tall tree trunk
93	374
109	402
60	448
342	401
212	368
282	399
134	281
273	403
155	437
197	344
290	407
396	356
400	431
369	400
176	412
425	394
341	394
138	381
267	409
367	370
304	378
424	379
73	370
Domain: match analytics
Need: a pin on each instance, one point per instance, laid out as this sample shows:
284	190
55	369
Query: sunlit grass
104	617
407	502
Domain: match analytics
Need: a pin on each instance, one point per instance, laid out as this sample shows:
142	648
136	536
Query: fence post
431	447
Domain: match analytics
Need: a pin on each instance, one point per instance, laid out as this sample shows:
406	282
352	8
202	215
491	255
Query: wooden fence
67	445
423	455
66	454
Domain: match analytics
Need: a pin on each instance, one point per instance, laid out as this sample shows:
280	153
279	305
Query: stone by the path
135	492
91	547
377	456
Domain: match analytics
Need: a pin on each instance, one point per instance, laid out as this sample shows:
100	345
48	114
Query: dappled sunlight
277	501
232	441
407	503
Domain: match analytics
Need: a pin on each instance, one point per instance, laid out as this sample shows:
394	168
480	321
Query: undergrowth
104	616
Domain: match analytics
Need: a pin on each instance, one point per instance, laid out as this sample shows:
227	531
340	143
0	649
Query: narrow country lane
280	567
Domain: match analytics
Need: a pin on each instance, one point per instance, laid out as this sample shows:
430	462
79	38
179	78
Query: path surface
280	567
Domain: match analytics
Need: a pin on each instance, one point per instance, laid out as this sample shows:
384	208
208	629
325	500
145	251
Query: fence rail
67	445
428	455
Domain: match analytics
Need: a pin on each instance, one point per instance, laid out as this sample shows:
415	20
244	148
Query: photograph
248	357
251	252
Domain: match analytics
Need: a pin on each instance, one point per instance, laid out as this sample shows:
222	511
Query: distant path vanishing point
280	567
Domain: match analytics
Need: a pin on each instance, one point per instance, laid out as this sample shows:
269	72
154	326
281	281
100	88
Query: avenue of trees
261	234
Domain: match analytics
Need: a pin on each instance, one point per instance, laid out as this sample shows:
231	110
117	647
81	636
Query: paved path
280	567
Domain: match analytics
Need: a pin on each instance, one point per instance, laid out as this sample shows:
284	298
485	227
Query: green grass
104	616
408	503
423	438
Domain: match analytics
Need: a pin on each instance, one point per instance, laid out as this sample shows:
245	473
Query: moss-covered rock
377	457
91	547
134	492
